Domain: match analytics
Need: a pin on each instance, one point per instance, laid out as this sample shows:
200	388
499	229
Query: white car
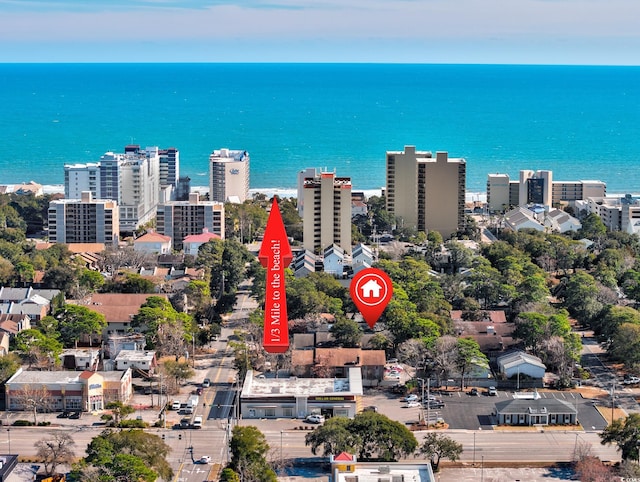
205	459
413	404
411	398
314	418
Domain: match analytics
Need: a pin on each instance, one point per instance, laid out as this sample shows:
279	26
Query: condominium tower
179	219
132	179
537	187
229	176
84	220
327	212
426	193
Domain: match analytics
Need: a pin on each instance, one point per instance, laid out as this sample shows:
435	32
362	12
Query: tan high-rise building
426	193
327	212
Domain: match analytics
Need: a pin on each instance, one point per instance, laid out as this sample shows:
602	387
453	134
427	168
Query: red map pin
371	289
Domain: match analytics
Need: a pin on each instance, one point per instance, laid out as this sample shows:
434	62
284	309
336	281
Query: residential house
337	362
362	258
153	243
561	222
192	243
136	360
4	343
304	263
334	260
80	358
522	218
118	309
14	324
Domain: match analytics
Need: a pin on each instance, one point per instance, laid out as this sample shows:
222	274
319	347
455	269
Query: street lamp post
482	469
281	453
9	439
474	449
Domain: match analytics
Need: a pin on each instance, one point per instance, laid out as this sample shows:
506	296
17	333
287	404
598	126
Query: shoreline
479	196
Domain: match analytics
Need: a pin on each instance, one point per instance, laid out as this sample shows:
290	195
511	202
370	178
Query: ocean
581	122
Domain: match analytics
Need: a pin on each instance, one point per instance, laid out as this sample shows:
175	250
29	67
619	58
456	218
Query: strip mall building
294	397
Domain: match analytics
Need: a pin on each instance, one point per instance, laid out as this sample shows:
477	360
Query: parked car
631	380
314	418
370	408
492	392
474	392
76	415
411	398
435	404
413	404
64	414
175	405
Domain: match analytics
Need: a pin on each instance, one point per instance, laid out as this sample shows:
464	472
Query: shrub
133	424
23	423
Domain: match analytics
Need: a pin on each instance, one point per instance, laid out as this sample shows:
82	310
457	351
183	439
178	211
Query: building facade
63	390
327	212
426	193
84	220
537	187
229	176
179	219
132	179
296	397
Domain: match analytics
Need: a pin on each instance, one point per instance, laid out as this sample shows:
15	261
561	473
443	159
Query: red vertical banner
275	255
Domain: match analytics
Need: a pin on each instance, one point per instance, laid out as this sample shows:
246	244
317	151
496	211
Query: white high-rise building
132	179
229	176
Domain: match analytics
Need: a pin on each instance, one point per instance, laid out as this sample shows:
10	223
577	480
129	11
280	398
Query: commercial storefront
295	397
65	390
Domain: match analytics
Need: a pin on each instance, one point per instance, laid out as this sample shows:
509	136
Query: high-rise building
229	176
169	167
537	187
179	219
426	193
132	179
327	212
83	220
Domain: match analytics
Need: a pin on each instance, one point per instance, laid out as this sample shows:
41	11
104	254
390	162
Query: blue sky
414	31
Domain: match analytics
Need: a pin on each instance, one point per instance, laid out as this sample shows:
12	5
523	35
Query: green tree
334	436
437	446
132	455
370	434
581	297
119	411
77	320
91	280
467	354
625	345
178	370
347	333
37	348
9	364
134	283
625	432
249	448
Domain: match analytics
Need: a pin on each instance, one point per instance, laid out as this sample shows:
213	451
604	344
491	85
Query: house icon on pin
371	289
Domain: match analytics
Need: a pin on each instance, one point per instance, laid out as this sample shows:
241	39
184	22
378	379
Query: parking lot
466	412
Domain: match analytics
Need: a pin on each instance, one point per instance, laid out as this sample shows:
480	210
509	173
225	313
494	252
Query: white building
297	397
521	364
132	179
617	213
153	243
229	176
362	258
334	261
561	222
522	218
